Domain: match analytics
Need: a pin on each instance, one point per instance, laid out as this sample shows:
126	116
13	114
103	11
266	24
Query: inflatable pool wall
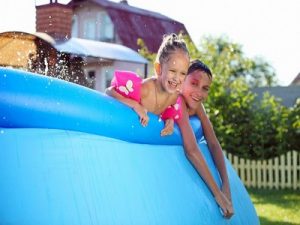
70	155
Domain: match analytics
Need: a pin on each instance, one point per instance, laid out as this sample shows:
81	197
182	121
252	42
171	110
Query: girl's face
173	72
195	88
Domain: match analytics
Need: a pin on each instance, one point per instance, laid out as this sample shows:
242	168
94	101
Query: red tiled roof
132	23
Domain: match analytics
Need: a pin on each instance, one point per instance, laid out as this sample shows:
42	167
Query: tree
228	60
293	127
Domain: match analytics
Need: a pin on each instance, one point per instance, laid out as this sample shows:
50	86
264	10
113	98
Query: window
106	27
108	72
91	75
89	29
75	26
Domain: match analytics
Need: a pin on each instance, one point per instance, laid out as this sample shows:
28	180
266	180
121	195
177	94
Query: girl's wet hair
199	65
169	45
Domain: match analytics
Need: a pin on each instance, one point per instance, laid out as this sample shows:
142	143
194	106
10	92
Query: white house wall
104	74
135	67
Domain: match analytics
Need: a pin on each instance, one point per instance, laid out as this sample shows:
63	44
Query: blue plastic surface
34	101
97	165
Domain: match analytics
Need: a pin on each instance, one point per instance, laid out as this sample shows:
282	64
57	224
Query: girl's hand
142	112
169	128
225	205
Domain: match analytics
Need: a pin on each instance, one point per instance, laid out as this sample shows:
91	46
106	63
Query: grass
277	207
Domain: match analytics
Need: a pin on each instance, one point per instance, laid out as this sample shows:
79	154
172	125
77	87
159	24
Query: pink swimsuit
128	84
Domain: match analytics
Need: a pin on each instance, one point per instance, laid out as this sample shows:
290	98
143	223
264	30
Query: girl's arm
169	127
215	149
194	154
138	108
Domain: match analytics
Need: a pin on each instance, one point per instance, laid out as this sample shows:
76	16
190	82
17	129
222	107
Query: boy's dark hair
170	44
199	65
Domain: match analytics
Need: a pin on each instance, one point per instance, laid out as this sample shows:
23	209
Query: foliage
269	120
228	60
245	126
143	50
293	127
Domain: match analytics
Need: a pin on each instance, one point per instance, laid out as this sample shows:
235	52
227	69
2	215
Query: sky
266	28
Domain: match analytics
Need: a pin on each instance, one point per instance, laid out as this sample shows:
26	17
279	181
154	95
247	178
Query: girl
157	93
154	94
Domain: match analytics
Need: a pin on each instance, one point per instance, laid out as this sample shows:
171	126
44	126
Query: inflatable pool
71	155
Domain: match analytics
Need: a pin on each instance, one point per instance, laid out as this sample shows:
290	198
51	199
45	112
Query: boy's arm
138	108
215	149
195	156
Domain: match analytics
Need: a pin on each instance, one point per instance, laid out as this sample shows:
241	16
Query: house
104	34
76	60
107	21
296	80
288	95
84	41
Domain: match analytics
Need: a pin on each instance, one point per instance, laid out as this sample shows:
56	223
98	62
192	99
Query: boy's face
195	88
173	72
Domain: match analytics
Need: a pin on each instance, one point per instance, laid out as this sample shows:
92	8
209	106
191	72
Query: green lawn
277	207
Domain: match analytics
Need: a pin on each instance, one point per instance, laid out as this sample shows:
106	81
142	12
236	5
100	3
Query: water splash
46	66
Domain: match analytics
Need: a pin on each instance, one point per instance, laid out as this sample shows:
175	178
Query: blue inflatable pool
70	155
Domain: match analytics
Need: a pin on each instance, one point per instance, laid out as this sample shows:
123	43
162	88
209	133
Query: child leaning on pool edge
157	93
194	92
154	94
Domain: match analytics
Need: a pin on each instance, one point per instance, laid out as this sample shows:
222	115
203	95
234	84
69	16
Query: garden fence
279	172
